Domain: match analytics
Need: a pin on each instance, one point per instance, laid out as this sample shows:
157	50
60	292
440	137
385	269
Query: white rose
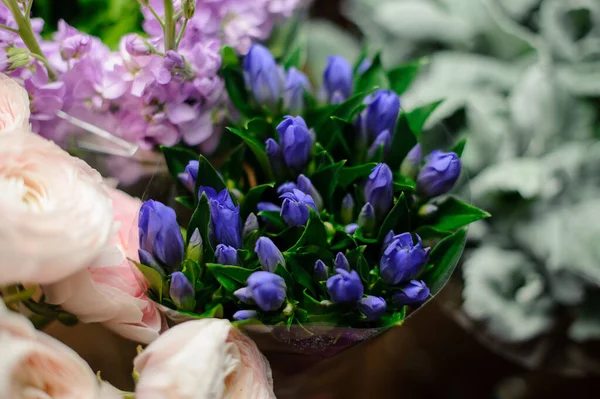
34	365
203	359
14	106
56	212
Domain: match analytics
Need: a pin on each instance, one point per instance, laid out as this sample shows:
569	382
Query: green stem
28	10
160	21
169	29
19	296
180	36
27	35
8	28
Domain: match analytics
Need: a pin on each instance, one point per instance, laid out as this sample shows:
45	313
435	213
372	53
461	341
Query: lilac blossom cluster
159	88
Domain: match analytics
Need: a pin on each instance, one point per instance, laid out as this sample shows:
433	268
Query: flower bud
148	260
320	270
366	219
295	84
384	139
341	262
351	228
288	187
188	7
345	287
295	206
75	46
402	259
364	66
160	235
189	175
306	186
439	174
226	255
296	142
337	79
381	113
17	57
274	153
266	290
250	225
415	293
263	76
373	307
268	207
241	315
379	189
136	46
195	247
347	209
225	220
410	165
427	211
174	61
269	255
182	292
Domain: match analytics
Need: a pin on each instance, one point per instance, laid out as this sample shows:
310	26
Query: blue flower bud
373	307
160	235
379	189
295	206
337	79
266	290
195	247
345	286
225	220
402	259
263	76
182	292
366	219
148	260
274	153
341	262
241	315
295	84
320	270
250	225
351	228
288	187
226	255
415	293
427	211
410	165
306	186
381	113
439	174
384	139
268	207
364	66
268	254
347	210
296	142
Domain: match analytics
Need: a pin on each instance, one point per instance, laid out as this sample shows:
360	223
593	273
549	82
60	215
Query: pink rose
200	359
34	365
113	295
14	106
56	212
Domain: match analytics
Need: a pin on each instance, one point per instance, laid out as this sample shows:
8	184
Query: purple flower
373	307
268	207
267	290
274	153
306	186
414	293
295	84
402	259
195	246
137	46
174	61
383	139
269	255
351	228
341	262
366	218
320	270
364	66
225	220
296	142
381	113
410	165
439	174
379	189
189	175
263	76
295	206
288	187
337	79
345	286
241	315
75	46
160	235
250	225
182	292
226	255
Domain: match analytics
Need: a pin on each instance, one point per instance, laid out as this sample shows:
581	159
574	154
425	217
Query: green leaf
209	177
453	214
187	201
280	270
191	269
177	159
418	116
363	269
397	220
311	305
236	89
260	129
274	218
154	278
354	254
201	220
350	174
293	58
443	260
372	78
334	133
395	319
252	198
314	234
230	277
214	312
229	58
403	141
404	183
258	149
459	147
325	181
300	275
358	235
402	76
431	233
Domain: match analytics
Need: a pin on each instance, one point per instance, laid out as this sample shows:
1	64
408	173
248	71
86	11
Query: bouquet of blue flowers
323	217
